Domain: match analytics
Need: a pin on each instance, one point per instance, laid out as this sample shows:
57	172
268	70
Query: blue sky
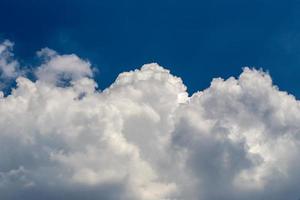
196	40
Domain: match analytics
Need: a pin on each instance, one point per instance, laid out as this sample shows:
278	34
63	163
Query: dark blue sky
197	40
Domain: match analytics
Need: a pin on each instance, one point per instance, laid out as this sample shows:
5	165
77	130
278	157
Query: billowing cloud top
143	138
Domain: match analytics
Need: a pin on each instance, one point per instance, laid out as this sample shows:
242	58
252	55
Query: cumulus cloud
59	68
9	67
144	138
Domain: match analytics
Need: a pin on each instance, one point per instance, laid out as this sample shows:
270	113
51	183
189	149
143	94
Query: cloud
143	138
60	68
9	67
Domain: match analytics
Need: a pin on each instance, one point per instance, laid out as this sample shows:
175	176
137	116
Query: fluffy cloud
9	67
143	138
59	68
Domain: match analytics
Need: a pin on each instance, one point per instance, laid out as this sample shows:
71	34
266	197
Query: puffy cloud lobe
241	139
144	138
58	69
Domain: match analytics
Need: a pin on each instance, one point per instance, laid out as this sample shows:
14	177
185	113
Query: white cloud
144	138
60	68
9	67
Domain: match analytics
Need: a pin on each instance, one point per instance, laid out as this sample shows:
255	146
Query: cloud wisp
9	67
143	137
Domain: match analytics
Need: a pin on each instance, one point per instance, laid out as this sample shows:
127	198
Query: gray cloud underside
144	138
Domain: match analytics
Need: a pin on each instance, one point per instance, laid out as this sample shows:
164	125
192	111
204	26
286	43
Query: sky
197	40
149	100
